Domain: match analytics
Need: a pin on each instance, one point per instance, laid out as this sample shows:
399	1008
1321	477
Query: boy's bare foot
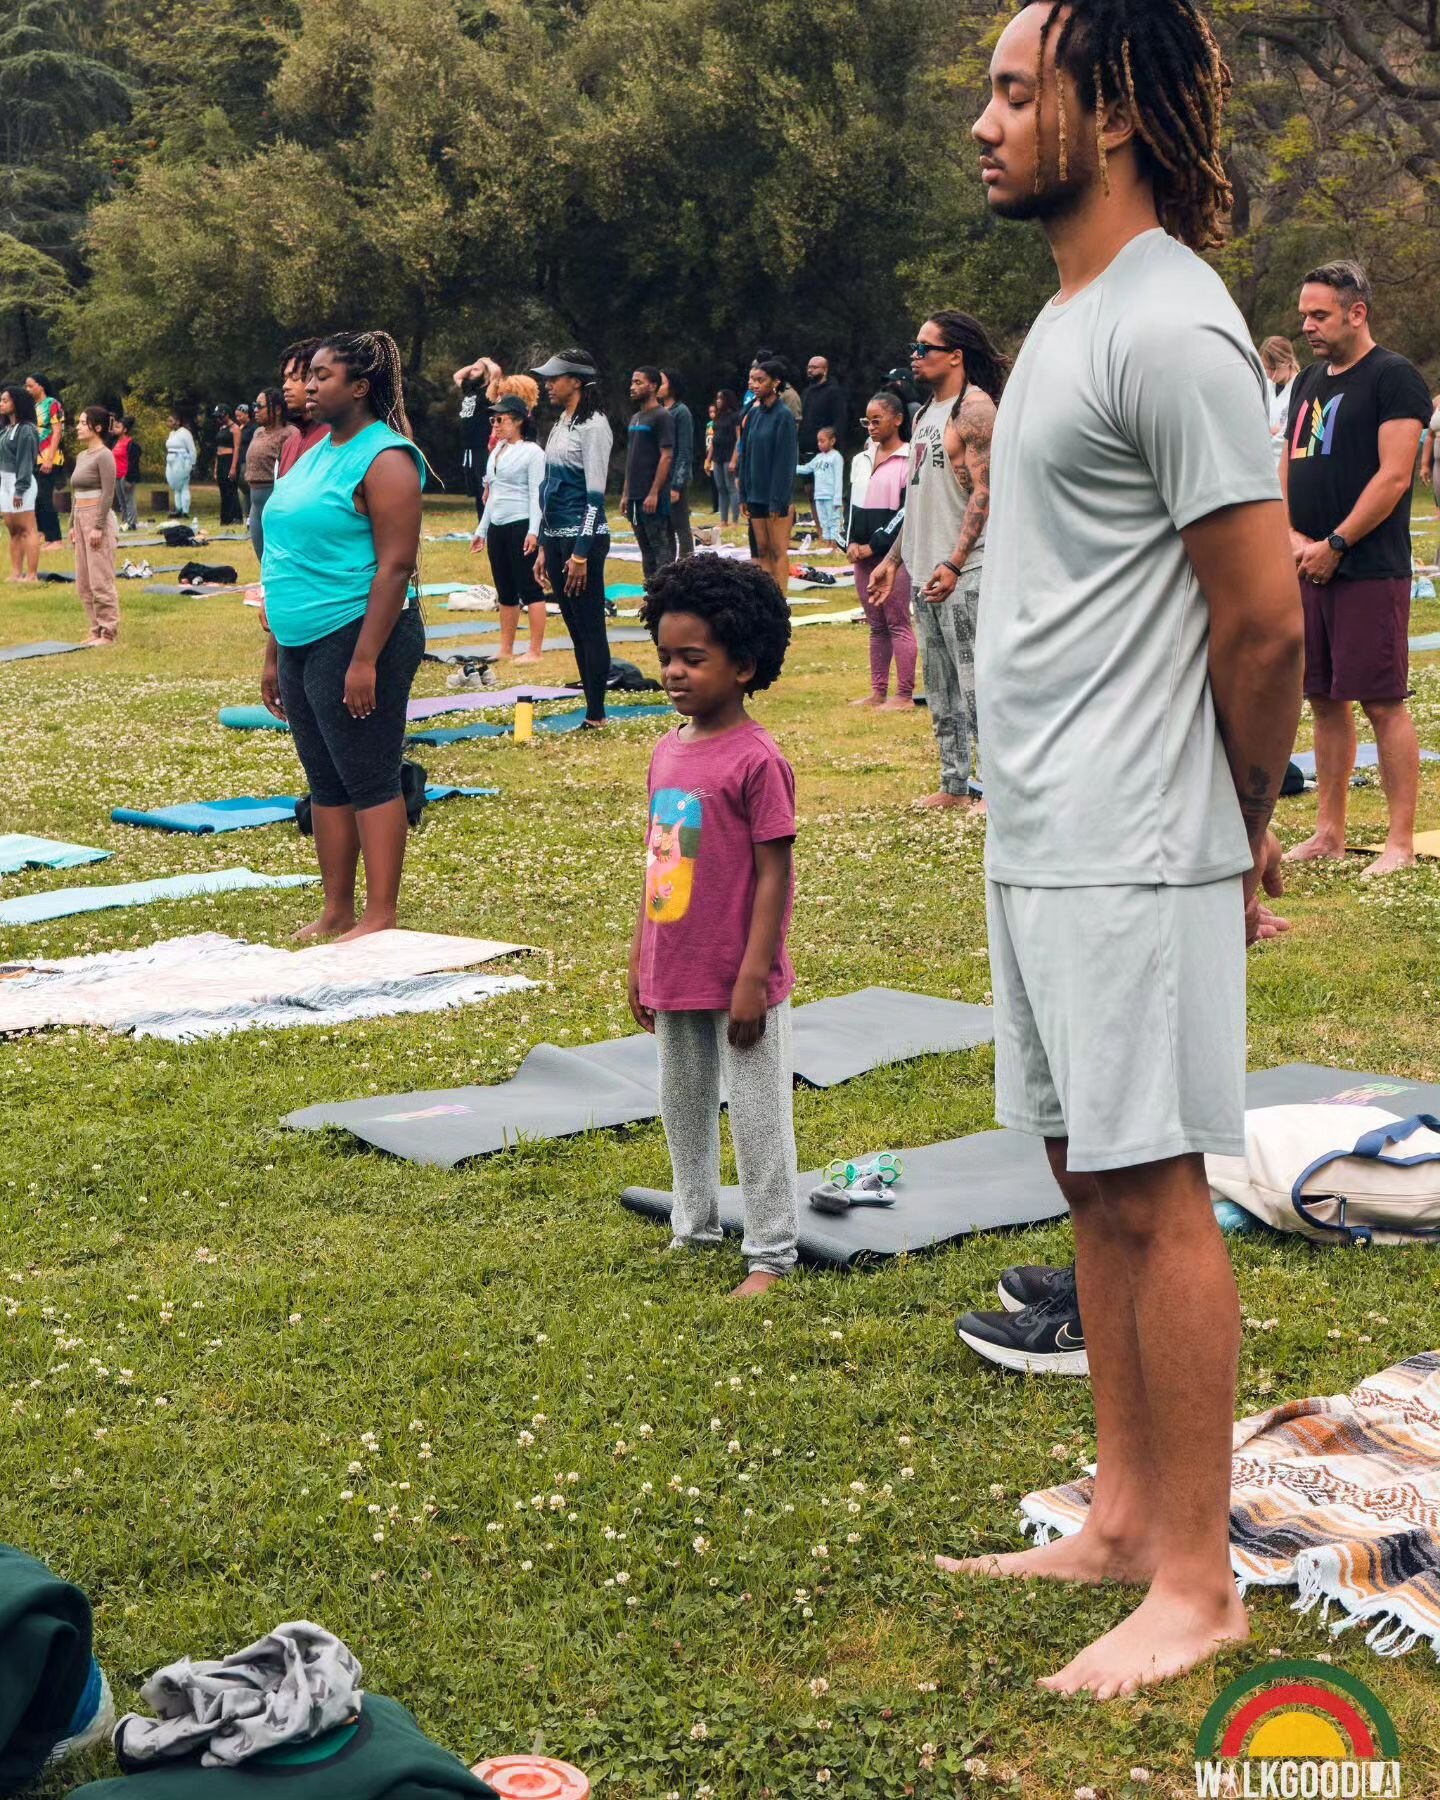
1389	862
1166	1634
1315	849
951	800
328	925
759	1281
1083	1557
369	923
870	700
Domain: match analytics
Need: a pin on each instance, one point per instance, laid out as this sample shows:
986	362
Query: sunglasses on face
920	349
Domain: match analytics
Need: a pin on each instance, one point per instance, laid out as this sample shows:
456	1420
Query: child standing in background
828	467
709	971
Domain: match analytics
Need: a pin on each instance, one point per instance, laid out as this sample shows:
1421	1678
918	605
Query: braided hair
374	356
1160	60
985	366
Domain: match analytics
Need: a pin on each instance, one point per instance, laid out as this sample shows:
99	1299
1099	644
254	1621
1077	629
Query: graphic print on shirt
670	851
929	447
1319	421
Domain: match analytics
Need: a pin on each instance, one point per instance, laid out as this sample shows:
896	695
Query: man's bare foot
759	1281
1315	849
1166	1634
951	800
870	700
896	704
1389	862
530	656
368	924
328	925
1082	1557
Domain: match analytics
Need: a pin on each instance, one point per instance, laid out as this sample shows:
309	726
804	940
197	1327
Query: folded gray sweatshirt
293	1684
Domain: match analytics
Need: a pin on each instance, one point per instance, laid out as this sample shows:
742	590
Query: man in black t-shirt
1348	474
649	455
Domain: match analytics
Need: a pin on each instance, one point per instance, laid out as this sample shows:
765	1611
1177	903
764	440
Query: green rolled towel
44	1664
383	1755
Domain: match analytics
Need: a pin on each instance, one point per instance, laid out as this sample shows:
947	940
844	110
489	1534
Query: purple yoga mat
483	700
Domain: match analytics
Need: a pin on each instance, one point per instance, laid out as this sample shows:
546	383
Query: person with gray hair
1356	415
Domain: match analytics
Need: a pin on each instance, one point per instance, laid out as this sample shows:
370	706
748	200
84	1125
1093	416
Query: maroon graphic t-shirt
711	802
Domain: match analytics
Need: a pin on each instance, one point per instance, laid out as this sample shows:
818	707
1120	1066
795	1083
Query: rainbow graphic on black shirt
1298	1731
1320	422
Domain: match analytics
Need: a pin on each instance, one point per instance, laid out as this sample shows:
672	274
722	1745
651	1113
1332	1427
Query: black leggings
47	518
584	615
351	762
514	571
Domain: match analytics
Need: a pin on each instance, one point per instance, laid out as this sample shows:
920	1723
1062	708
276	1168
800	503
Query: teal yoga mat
457	734
619	715
250	718
203	817
50	647
20	851
62	903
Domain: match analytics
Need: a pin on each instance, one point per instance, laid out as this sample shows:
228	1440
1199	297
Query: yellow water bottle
524	718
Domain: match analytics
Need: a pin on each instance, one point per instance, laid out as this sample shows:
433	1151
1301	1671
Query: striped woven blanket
1338	1497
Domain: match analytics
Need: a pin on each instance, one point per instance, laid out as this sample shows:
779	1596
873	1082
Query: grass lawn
537	1473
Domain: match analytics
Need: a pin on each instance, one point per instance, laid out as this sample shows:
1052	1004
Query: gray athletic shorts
1120	1018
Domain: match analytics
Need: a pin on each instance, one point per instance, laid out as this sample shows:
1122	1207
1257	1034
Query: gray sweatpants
695	1055
947	644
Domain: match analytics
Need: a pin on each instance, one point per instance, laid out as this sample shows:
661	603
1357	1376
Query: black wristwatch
1337	543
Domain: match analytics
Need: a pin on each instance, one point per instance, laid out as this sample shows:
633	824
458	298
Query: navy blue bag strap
1372	1145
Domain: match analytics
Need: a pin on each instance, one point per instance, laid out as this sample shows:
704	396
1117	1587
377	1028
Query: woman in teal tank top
342	533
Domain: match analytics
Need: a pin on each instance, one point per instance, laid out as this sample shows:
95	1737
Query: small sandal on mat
869	1190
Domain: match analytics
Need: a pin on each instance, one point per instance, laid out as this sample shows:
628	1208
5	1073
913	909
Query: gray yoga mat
19	652
998	1179
558	1093
1430	641
1367	756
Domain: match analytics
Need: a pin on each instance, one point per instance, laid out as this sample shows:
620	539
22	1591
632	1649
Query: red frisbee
533	1778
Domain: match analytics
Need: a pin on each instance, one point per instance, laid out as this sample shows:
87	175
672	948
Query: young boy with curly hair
709	971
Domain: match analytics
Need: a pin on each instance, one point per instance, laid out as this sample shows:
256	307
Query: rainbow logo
1298	1731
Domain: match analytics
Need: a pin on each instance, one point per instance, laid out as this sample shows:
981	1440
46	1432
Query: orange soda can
533	1778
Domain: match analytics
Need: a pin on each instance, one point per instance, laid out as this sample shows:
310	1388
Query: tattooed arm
967	444
1242	561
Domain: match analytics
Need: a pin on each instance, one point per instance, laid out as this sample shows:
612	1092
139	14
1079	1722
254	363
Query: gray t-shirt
1134	409
934	500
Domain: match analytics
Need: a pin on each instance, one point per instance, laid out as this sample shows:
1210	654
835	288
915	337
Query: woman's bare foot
367	925
870	700
530	656
1390	861
1083	1557
896	704
1166	1634
1315	849
759	1281
328	925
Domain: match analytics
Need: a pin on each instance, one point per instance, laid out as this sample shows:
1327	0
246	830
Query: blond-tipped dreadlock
1159	59
374	356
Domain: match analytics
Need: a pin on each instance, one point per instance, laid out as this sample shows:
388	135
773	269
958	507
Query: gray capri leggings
351	762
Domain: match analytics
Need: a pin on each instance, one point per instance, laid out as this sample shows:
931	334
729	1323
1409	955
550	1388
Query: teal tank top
319	557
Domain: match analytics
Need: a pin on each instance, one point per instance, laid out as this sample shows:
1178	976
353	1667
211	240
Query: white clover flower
647	1431
622	1578
526	1566
378	1536
733	1447
819	1685
699	1731
820	1551
823	1775
907	1474
1140	1776
700	1545
525	1439
295	1318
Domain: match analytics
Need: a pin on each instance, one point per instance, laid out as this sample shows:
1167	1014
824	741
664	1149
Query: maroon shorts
1357	639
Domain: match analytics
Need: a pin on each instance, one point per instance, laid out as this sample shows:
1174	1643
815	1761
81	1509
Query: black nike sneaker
1030	1284
1044	1339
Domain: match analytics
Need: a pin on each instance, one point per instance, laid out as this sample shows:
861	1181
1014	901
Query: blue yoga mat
1430	641
19	851
51	647
432	794
623	590
1367	756
457	734
202	817
621	715
251	718
61	903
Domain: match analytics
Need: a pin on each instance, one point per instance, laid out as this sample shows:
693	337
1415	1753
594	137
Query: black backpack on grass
412	792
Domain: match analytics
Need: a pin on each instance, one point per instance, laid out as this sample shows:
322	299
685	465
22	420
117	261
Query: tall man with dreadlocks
342	535
942	545
1139	668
